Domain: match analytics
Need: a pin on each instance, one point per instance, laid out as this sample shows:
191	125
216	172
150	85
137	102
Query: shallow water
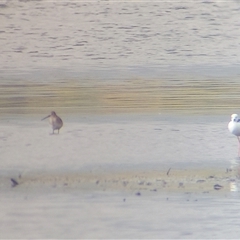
77	214
145	91
85	97
98	38
119	57
124	140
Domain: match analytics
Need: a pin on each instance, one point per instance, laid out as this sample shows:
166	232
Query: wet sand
174	180
125	176
143	205
183	204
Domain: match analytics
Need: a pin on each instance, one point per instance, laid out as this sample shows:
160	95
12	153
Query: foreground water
108	215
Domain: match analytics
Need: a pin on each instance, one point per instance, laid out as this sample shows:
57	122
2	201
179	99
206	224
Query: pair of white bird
234	128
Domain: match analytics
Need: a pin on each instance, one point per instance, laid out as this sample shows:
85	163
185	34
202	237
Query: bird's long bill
46	117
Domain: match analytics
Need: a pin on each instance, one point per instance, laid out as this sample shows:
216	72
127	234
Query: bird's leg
238	146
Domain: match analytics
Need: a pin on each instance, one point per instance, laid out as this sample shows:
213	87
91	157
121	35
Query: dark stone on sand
125	183
181	185
201	181
153	190
217	187
138	194
211	177
14	182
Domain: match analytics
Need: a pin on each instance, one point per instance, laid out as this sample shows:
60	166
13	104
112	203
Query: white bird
234	128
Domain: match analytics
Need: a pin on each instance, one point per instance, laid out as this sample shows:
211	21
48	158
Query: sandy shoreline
108	178
174	180
120	153
121	205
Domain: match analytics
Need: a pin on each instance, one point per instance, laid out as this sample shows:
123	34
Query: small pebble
125	183
14	182
153	190
217	187
180	185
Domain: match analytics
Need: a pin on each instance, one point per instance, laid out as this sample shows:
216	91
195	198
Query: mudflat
129	176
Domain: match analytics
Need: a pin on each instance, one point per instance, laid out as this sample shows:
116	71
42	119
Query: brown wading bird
55	121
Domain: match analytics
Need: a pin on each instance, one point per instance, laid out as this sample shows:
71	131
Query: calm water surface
48	214
80	56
